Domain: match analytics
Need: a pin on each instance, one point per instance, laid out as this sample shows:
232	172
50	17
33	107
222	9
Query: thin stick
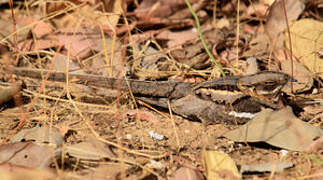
290	45
198	26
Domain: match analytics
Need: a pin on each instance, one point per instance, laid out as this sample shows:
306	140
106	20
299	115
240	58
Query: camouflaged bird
233	99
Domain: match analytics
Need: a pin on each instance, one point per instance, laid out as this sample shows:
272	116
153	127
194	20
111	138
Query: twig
198	26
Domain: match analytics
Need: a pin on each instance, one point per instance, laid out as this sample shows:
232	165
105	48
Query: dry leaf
159	8
304	80
82	42
79	42
219	165
42	134
40	28
307	40
27	154
278	128
40	44
258	46
176	39
89	150
276	22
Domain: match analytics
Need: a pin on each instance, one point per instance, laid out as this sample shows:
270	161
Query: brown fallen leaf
92	149
40	27
176	39
42	31
276	22
79	42
159	8
278	128
304	80
40	44
42	134
258	46
28	154
307	40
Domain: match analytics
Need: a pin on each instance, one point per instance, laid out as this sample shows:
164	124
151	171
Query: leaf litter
91	37
279	128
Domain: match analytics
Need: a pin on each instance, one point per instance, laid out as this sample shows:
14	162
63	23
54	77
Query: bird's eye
269	83
247	85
